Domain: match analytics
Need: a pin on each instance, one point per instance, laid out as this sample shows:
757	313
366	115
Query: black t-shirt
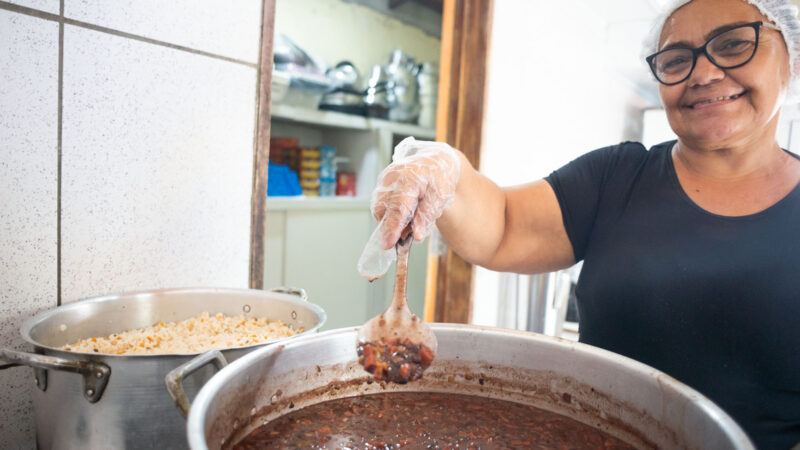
713	301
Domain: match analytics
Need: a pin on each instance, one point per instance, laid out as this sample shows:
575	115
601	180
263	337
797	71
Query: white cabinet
314	243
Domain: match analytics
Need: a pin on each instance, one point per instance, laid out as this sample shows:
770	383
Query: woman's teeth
718	99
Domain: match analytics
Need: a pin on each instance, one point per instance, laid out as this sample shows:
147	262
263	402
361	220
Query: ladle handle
403	248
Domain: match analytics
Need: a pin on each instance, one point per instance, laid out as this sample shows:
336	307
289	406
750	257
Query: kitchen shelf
332	119
317	203
315	242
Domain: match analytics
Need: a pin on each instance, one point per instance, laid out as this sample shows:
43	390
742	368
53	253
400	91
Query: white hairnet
782	13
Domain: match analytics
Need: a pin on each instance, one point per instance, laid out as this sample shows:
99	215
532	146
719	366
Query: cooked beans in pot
426	420
397	362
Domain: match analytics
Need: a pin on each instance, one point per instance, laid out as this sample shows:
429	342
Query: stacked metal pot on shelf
428	81
402	90
393	90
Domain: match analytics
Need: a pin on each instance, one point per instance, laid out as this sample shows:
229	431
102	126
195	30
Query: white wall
655	127
556	91
336	31
151	171
28	200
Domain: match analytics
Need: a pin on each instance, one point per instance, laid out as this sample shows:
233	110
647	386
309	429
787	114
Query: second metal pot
92	400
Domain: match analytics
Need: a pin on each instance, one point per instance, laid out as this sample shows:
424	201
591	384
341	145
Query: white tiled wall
157	154
51	6
157	167
219	27
28	200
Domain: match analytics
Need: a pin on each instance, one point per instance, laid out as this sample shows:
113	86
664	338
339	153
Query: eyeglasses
729	49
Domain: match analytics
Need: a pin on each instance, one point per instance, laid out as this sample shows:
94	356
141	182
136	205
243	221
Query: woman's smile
712	100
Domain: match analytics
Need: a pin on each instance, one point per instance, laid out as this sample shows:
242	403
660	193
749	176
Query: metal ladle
398	324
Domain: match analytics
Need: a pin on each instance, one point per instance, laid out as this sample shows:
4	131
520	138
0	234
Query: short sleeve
580	185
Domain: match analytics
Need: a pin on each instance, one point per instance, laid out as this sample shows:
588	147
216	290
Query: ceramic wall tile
51	6
157	167
221	27
28	201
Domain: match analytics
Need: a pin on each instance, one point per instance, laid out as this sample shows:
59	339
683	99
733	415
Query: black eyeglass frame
704	49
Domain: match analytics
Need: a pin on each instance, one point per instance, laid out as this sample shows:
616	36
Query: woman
691	250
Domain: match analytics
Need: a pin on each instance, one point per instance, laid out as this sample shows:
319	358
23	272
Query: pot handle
296	291
174	379
95	374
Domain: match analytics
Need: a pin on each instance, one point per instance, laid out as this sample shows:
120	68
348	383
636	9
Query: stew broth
426	420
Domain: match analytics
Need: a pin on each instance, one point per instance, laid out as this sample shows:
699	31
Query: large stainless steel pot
618	395
120	401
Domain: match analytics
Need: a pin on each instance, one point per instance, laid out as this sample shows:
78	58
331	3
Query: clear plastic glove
416	188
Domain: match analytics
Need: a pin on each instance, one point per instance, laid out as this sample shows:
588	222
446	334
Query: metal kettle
401	74
393	90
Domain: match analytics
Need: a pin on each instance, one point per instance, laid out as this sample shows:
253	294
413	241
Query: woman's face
721	108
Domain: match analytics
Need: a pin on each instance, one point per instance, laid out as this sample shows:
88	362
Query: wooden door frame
466	30
258	201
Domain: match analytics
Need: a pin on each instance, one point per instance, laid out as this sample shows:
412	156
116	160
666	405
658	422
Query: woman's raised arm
517	229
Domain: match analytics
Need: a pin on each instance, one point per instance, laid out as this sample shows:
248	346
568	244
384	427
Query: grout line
59	147
30	11
157	42
63	20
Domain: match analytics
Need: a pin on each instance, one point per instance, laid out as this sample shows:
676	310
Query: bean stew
397	362
426	420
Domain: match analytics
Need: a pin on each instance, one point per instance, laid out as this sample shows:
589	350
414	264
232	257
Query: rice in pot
196	334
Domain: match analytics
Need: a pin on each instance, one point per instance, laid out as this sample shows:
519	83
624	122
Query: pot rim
28	324
195	421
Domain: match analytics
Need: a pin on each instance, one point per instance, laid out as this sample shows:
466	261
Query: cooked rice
193	335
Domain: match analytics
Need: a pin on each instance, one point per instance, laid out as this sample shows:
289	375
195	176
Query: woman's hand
516	229
415	189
